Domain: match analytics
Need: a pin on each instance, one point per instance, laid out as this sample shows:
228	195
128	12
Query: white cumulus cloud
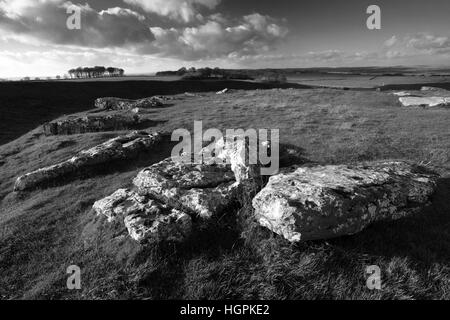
183	10
253	34
46	20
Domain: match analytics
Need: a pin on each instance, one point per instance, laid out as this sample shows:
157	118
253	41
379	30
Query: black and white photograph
203	151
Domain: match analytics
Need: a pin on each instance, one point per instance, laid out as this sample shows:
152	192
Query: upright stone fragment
117	149
324	202
242	153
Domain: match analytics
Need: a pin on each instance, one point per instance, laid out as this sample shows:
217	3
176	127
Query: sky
146	36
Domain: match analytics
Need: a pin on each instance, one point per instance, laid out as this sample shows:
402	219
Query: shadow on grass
292	155
422	237
146	124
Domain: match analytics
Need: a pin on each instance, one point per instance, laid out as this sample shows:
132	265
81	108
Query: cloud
211	37
428	42
218	37
184	10
122	12
327	55
46	20
418	44
391	41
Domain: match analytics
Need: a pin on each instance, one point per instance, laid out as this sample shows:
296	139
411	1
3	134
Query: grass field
43	232
25	105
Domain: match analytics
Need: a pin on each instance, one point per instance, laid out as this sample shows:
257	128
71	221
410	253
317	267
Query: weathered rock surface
174	226
145	219
426	97
120	148
425	101
77	125
404	94
203	190
431	89
329	201
111	103
222	91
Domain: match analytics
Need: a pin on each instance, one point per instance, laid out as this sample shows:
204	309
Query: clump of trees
207	73
95	72
274	78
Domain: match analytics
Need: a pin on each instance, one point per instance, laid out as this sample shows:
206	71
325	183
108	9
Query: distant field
44	231
357	81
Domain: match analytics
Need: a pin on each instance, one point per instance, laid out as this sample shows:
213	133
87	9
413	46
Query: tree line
263	75
95	72
207	73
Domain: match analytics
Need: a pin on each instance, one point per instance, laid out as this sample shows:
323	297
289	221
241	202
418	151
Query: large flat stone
324	202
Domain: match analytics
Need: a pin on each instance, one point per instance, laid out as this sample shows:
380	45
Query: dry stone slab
120	148
323	202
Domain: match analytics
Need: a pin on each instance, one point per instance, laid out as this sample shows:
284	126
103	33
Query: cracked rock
324	202
203	190
145	219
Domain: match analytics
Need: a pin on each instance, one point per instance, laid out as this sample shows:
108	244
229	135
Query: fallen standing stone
78	125
324	202
111	103
120	148
425	101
